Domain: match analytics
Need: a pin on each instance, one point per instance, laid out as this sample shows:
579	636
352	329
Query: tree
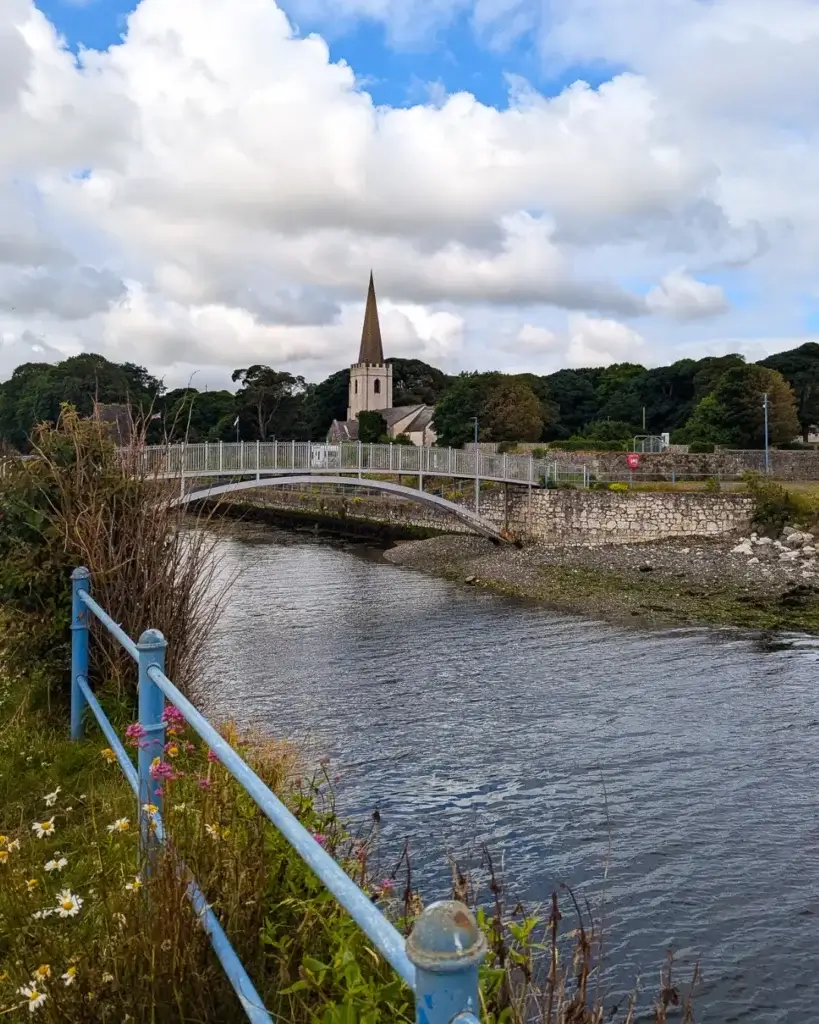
609	430
371	427
575	395
196	416
733	413
326	402
800	368
269	402
513	411
457	408
417	383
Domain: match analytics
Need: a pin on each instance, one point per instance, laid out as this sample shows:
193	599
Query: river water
687	758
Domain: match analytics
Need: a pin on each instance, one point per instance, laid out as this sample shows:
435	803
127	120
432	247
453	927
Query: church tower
370	377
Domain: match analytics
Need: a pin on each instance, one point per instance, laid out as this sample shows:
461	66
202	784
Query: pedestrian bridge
283	463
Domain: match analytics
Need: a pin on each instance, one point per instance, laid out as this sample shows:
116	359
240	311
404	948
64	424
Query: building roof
343	430
371	350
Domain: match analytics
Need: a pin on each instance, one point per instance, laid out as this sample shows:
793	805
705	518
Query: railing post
258	467
220	456
151	646
80	581
293	454
447	947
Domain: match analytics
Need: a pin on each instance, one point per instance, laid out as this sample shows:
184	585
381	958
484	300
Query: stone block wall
589	518
797	465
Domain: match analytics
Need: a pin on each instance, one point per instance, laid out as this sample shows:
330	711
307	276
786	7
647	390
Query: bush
619	488
701	448
505	447
539	453
774	507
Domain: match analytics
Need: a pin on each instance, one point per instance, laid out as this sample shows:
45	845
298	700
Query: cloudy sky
197	185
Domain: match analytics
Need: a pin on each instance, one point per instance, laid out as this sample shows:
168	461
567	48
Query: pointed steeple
371	350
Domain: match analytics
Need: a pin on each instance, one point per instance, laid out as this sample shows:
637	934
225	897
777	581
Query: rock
808	550
779	545
795	539
788	556
754	537
788	530
743	548
646	567
471	579
753	561
764	542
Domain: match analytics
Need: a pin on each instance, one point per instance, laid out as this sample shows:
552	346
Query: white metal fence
272	457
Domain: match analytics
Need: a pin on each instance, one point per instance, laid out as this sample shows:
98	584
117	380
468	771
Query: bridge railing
249	457
441	958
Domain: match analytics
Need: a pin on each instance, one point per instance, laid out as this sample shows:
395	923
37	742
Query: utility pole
767	456
477	470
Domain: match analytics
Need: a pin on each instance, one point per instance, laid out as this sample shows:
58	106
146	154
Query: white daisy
120	825
136	885
55	865
68	904
38	915
43	972
51	798
43	828
35	997
69	976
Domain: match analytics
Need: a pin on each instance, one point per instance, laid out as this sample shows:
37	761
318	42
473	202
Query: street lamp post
477	469
767	456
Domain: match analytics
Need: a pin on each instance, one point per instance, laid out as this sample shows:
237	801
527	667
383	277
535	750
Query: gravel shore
676	581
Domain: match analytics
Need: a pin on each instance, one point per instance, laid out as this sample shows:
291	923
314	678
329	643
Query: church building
371	390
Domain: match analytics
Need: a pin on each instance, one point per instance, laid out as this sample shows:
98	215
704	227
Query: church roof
371	350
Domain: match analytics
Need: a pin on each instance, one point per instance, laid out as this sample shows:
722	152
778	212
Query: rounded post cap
80	573
446	938
151	640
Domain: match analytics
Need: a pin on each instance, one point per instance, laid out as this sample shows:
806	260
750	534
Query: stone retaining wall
795	465
590	518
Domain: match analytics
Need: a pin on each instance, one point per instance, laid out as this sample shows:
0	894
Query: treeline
716	400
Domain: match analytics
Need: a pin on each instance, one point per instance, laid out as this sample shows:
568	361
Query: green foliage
269	403
618	487
701	448
416	383
774	507
371	427
800	368
513	411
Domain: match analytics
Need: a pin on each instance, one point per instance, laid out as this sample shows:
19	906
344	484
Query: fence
439	961
259	458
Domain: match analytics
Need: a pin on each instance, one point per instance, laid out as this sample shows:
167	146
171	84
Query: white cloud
215	189
682	297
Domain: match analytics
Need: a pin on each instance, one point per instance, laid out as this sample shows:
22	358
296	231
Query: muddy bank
668	583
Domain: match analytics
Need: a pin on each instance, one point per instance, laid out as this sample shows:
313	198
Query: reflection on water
466	718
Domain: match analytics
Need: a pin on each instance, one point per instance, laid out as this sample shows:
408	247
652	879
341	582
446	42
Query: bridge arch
464	515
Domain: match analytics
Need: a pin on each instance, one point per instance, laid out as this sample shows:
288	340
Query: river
690	755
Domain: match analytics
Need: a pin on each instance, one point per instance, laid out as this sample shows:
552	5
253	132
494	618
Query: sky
199	185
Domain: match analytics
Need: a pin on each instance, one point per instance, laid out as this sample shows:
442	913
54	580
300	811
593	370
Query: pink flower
324	762
212	756
161	770
172	716
387	886
320	839
134	733
189	747
159	791
204	783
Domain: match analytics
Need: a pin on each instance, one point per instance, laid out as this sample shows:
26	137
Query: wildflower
159	791
43	828
136	885
320	838
212	756
216	832
150	809
189	747
107	978
387	886
3	840
109	755
4	856
180	807
35	997
32	884
174	720
55	865
43	972
134	733
51	798
172	750
166	945
13	845
69	976
68	904
161	769
120	825
39	915
204	783
120	919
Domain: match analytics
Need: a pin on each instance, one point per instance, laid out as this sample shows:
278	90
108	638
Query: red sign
633	460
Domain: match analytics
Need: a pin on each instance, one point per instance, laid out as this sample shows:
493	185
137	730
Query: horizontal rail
117	632
125	762
386	937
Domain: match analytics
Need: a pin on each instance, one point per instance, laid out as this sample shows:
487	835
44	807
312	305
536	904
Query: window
377	387
356	387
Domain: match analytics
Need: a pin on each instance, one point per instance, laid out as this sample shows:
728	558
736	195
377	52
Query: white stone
788	556
753	561
808	550
744	548
795	539
764	542
787	532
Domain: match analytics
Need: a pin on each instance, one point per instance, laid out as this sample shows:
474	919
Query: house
371	390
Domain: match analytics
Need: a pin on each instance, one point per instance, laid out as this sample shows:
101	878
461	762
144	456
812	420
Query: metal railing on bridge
263	458
440	960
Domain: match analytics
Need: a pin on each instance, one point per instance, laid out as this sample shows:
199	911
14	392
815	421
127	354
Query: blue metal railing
439	961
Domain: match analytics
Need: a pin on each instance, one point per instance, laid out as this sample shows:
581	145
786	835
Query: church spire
371	350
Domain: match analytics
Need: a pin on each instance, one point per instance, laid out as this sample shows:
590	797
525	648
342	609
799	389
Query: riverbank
676	582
